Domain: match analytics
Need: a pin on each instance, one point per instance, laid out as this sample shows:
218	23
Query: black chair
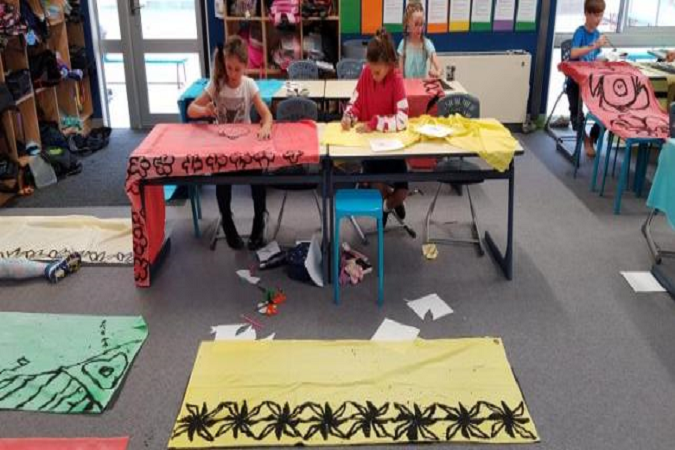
292	110
565	55
467	106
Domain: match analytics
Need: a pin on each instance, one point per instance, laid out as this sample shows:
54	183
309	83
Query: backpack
10	21
19	83
6	101
317	8
44	69
62	160
295	263
78	58
38	25
244	8
289	50
285	13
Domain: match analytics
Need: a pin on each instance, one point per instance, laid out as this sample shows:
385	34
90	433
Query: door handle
133	7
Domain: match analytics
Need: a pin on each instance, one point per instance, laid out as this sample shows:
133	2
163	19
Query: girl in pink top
380	104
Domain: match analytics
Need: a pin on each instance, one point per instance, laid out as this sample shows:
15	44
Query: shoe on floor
400	211
63	267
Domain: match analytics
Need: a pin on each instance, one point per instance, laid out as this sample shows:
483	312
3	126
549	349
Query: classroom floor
595	361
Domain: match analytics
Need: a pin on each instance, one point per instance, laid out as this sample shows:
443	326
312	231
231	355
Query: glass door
151	50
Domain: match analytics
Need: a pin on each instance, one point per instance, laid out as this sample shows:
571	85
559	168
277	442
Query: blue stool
358	202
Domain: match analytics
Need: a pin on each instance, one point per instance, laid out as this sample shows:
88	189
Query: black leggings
224	197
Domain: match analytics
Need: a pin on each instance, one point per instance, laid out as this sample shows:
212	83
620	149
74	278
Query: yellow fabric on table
254	393
333	134
491	140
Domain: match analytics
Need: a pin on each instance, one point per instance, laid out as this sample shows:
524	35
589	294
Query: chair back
349	69
297	108
303	70
466	105
566	50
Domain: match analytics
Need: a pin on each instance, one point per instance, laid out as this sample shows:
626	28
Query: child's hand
602	42
265	132
210	110
433	73
364	128
346	123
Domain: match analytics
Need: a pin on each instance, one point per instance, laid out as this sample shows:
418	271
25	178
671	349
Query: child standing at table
586	45
228	97
380	102
417	54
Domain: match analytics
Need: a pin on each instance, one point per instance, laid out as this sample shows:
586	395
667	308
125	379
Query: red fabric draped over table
176	150
422	98
620	96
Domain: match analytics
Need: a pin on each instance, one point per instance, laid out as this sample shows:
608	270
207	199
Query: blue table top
662	194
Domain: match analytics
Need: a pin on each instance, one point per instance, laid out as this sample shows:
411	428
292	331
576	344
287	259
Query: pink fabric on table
176	150
620	96
64	444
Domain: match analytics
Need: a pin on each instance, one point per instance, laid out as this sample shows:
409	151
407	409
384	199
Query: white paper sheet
313	261
393	11
527	11
481	11
385	145
434	131
460	10
643	282
234	332
437	11
505	9
268	338
390	330
268	251
246	276
430	303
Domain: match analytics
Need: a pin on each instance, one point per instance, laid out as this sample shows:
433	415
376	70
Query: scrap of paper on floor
234	332
390	330
643	282
430	303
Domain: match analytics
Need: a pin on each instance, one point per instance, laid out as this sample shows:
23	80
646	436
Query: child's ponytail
381	48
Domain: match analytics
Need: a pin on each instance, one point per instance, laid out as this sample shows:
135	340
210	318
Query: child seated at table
228	98
586	45
417	54
380	103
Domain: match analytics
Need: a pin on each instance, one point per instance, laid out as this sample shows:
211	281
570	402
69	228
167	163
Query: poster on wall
393	15
437	16
371	16
505	10
350	16
481	15
526	18
460	15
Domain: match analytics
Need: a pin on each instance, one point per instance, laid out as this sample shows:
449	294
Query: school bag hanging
285	13
244	8
38	25
289	50
317	8
11	23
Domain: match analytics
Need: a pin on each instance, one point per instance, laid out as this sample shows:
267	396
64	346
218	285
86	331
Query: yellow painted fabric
99	241
253	393
491	140
333	134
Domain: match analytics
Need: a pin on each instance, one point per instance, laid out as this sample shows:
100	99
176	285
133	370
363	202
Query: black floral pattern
164	165
312	422
193	164
217	163
293	156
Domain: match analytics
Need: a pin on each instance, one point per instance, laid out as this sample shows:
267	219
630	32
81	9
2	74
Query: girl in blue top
415	49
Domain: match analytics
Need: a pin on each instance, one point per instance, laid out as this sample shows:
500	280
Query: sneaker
257	239
63	267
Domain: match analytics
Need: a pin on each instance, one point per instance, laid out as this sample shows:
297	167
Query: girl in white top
417	54
228	97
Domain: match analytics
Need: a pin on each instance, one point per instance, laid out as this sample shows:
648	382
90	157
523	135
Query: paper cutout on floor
234	332
304	393
390	330
386	145
64	443
65	363
268	338
313	261
430	304
643	282
268	251
246	276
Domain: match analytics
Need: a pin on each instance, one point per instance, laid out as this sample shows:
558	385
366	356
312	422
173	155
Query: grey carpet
595	361
101	182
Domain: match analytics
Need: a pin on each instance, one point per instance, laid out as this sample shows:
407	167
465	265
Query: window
570	16
651	13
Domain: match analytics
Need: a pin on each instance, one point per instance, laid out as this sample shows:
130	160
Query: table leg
331	225
505	261
325	253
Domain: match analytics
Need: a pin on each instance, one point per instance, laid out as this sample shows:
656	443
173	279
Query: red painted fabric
620	96
64	444
176	150
422	98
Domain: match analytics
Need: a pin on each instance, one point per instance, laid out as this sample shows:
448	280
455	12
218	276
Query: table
315	87
343	89
428	149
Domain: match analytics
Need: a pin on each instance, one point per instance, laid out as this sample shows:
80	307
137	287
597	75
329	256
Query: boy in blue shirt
586	44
